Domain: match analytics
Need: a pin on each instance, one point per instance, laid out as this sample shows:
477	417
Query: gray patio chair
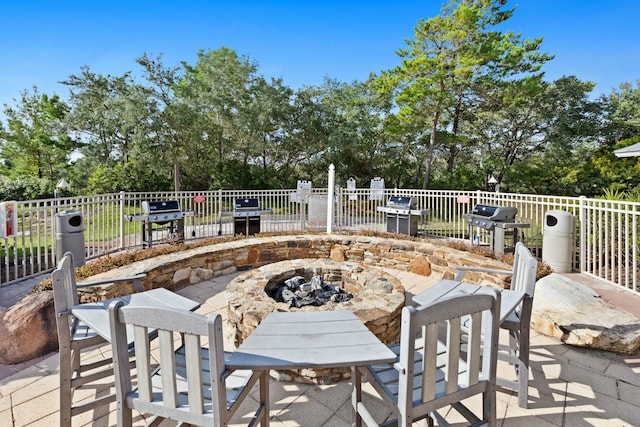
432	373
191	383
74	337
518	323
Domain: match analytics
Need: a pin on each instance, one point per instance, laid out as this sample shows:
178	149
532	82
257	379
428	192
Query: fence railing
606	235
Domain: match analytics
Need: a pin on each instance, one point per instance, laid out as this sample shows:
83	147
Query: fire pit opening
300	291
374	296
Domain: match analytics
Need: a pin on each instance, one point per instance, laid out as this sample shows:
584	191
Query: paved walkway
569	386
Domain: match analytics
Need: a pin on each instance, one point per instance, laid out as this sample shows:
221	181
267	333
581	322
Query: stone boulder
28	329
420	265
576	315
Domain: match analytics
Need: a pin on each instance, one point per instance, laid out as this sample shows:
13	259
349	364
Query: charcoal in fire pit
287	296
343	297
316	284
294	282
297	293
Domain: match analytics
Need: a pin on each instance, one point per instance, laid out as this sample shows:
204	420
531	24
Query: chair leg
124	415
65	391
523	368
514	346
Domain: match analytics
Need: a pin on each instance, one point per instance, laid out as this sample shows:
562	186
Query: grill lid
495	213
484	210
247	204
160	206
405	202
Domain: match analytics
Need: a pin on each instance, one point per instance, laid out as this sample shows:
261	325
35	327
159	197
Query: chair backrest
448	375
65	293
525	268
187	388
64	281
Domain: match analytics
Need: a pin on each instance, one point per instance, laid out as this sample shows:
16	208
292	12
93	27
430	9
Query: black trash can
70	236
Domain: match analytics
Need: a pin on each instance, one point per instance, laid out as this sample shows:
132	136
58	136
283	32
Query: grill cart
402	215
246	216
499	221
163	215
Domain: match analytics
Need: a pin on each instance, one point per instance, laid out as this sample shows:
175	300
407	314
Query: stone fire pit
377	301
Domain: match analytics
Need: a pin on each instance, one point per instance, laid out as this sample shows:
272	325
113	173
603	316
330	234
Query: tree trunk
432	142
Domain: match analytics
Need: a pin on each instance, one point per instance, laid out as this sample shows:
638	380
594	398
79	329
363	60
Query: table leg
264	398
356	396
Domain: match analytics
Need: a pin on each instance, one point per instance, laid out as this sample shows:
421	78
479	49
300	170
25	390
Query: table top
510	299
96	314
294	340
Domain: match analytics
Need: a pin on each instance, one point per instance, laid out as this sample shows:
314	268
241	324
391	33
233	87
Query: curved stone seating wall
177	270
19	341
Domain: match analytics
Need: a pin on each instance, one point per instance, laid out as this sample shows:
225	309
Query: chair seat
512	322
83	331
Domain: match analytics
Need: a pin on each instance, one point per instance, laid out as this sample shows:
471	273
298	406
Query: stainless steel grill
497	220
161	212
402	214
246	216
485	216
246	207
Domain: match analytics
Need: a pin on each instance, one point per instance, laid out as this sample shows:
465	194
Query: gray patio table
96	314
323	339
509	300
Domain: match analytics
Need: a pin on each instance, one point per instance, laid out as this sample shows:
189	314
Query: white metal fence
606	235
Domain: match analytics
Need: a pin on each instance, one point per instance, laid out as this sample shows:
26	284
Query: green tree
241	120
452	57
35	143
173	126
353	137
109	115
621	128
624	112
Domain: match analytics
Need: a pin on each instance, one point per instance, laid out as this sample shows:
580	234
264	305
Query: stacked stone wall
228	257
180	269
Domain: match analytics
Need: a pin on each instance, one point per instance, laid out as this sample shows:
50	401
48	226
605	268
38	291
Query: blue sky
43	42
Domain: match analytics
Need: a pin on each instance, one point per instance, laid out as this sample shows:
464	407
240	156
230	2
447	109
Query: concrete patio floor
568	386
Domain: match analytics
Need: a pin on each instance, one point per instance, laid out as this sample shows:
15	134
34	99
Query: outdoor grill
402	215
246	216
162	211
487	217
165	214
496	220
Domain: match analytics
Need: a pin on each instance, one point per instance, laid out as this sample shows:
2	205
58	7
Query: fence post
339	207
122	200
582	241
330	198
220	212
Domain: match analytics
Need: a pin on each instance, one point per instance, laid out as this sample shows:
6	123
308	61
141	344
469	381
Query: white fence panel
606	233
